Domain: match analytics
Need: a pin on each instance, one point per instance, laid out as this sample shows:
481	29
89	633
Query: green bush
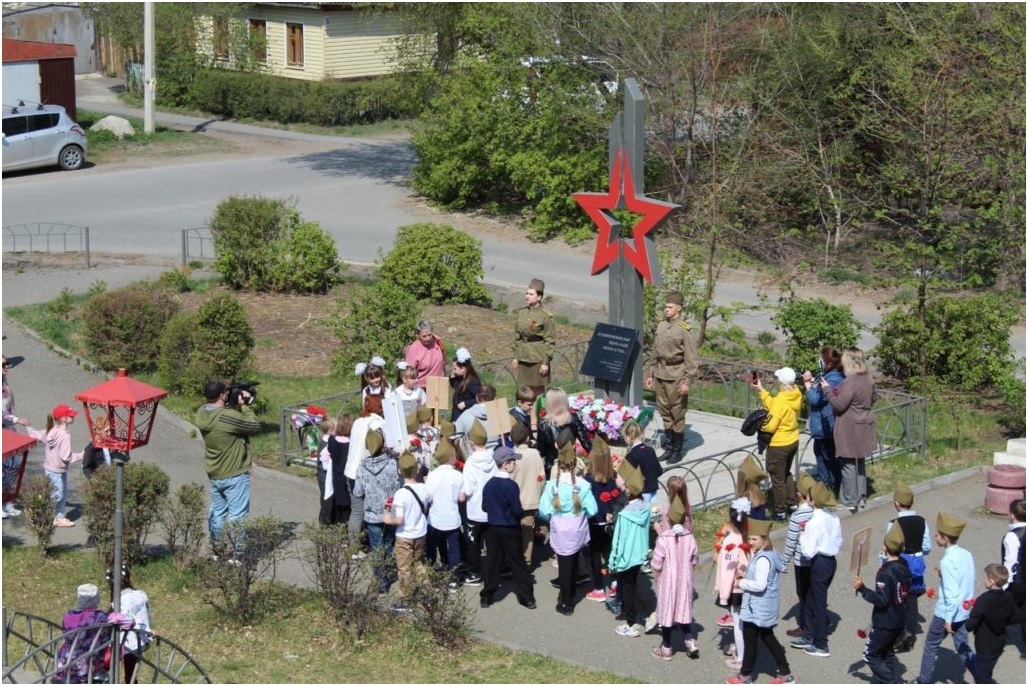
379	319
263	245
342	579
39	510
144	490
245	232
435	263
809	325
184	520
222	341
122	328
176	347
307	261
322	103
175	280
962	342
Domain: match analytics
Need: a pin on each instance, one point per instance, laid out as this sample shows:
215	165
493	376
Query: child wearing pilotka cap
820	542
956	584
889	598
759	615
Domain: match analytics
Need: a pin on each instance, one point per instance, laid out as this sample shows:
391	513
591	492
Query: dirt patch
294	337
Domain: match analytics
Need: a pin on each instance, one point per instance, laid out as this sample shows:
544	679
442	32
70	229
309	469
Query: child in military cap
443	538
759	583
674	557
917	542
797	522
747	484
408	512
630	547
892	583
956	585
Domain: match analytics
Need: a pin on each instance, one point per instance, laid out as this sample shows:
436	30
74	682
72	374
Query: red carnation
862	633
968	604
616	493
745	547
416	442
930	593
605	497
539	478
717	547
542	413
730	547
459	464
720	534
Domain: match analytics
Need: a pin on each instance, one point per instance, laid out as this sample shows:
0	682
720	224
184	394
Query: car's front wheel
71	158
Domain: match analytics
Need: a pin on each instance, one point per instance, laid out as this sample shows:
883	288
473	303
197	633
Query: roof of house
16	50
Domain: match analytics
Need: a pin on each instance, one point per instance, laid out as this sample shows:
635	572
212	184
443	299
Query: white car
41	136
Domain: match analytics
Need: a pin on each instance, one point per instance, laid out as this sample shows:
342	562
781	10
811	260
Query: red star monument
622	194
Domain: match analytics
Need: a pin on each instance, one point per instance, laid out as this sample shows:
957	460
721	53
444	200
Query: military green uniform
672	360
535	339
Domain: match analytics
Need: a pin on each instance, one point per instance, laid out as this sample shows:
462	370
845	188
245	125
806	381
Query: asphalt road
355	188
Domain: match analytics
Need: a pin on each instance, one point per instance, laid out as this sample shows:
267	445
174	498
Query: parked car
41	136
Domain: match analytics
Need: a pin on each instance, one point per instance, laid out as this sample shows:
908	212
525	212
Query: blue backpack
917	569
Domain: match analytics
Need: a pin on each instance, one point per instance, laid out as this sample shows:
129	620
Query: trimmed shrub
380	320
144	490
307	261
245	232
331	565
122	328
436	263
263	245
323	103
176	347
222	341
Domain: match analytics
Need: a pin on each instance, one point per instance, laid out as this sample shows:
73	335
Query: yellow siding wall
352	45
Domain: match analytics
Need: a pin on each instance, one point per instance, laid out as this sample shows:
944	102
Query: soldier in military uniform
671	367
535	338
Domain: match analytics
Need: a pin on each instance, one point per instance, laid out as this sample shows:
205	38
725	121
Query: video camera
238	387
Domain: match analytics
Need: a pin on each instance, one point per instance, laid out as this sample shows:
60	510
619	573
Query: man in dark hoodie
378	478
226	435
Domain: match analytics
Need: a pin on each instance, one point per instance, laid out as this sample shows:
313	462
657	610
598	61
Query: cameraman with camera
226	423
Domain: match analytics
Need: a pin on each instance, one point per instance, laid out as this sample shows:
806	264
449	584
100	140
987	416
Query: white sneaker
627	630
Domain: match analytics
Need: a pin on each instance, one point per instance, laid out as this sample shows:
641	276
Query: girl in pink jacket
732	556
674	556
58	456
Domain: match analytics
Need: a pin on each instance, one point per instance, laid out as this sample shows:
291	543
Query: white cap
786	375
88	597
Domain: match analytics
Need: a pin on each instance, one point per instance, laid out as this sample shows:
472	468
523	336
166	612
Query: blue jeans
933	639
381	538
446	544
60	493
828	470
230	502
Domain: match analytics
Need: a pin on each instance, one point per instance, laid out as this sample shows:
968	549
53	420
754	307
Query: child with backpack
759	612
889	598
917	543
407	510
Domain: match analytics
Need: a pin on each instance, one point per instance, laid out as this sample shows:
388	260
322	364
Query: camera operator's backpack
752	425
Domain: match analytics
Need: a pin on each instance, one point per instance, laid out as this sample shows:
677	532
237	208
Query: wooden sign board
860	549
437	392
497	414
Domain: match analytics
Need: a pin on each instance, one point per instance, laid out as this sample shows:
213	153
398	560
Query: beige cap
477	434
903	495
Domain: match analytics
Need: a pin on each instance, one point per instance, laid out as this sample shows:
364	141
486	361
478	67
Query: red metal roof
26	50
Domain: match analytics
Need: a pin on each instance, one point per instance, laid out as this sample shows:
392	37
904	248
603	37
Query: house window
221	39
294	45
259	40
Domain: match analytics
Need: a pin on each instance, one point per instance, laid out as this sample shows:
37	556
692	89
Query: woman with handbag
855	435
568	503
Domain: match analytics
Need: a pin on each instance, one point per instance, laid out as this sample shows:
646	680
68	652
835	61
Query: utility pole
148	81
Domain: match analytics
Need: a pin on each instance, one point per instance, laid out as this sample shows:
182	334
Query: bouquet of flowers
605	416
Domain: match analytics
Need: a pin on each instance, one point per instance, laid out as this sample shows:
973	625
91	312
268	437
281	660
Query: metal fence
197	244
47	237
720	389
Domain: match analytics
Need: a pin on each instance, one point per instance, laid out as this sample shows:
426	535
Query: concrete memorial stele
628	261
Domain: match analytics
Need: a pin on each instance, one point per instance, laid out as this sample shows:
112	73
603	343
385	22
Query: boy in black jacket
889	597
991	613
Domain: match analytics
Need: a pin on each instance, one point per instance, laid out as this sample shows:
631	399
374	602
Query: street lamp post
120	414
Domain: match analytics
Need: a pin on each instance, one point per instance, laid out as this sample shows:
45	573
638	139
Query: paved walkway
42	379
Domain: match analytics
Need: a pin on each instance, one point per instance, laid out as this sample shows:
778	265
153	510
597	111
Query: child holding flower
991	612
607	494
889	598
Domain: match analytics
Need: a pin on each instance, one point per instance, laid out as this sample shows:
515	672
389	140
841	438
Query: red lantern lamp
120	412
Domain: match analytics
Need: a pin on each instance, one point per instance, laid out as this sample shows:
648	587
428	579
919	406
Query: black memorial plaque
610	352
